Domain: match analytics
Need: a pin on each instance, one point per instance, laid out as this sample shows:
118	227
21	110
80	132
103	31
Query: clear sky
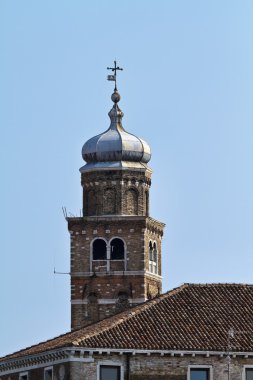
187	88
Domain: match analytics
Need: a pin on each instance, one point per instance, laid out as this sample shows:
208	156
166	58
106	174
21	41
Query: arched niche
109	201
132	202
92	298
122	302
93	312
146	203
91	202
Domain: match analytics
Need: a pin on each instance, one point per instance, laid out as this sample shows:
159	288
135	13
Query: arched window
117	249
132	202
99	249
150	251
153	257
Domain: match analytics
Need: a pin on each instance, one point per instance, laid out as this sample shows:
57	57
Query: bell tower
115	245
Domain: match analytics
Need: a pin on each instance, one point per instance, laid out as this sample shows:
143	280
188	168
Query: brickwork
121	192
106	279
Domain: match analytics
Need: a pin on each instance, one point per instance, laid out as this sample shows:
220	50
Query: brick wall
105	279
117	192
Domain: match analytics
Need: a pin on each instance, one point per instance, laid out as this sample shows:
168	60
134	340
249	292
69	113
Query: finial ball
115	97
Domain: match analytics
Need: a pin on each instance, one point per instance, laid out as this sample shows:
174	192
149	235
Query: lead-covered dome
115	147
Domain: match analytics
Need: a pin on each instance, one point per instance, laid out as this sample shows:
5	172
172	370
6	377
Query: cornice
85	355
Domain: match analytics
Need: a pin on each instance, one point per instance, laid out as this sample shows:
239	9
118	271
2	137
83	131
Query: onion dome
115	147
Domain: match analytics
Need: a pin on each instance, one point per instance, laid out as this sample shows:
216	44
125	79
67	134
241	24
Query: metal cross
114	76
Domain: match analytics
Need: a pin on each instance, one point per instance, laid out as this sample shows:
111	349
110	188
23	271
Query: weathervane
114	76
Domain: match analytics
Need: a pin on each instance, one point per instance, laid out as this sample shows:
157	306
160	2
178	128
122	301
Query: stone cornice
155	226
85	354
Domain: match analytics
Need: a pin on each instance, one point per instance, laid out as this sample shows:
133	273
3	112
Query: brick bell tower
115	245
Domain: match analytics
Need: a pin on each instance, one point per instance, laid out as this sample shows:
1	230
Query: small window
150	251
117	249
109	372
99	249
200	374
23	376
48	373
249	373
153	258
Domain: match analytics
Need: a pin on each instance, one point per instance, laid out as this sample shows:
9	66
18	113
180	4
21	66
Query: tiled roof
194	317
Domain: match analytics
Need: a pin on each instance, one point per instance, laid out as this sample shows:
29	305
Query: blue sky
187	89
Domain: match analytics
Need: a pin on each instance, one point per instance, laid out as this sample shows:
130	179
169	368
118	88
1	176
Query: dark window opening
117	249
109	372
123	296
249	374
150	251
200	374
48	374
153	258
99	249
154	253
23	377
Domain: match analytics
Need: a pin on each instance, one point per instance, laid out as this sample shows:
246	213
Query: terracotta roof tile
191	317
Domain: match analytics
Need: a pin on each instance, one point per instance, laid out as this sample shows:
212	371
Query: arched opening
150	251
152	257
123	295
117	249
132	202
99	249
154	253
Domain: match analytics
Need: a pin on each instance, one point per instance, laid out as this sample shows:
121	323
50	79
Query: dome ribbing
115	145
